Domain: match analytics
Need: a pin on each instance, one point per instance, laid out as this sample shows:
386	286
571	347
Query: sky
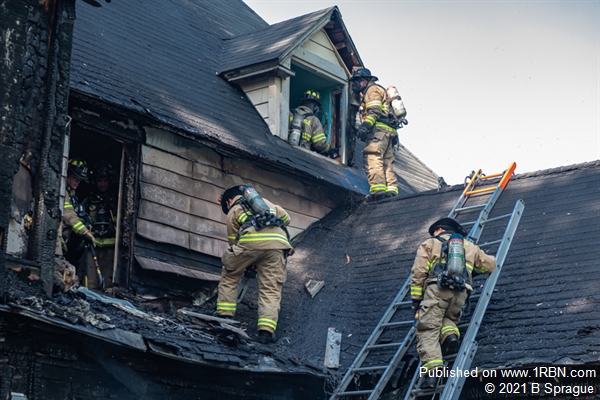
485	83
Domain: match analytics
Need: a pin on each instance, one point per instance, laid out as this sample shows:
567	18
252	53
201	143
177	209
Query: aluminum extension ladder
485	198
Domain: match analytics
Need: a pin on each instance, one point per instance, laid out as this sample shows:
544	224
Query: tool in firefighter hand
249	273
85	265
98	273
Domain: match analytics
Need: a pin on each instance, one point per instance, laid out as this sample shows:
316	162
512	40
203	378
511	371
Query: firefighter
101	205
379	136
72	210
439	306
266	248
313	135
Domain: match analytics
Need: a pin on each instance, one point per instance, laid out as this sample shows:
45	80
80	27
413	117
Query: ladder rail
364	352
463	361
387	374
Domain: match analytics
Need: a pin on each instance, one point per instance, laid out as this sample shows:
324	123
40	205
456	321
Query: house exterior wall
321	54
270	97
322	46
181	181
34	75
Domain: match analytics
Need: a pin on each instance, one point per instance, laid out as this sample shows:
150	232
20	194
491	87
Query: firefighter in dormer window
306	129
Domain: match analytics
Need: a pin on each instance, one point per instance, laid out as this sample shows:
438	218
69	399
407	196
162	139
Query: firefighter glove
89	238
363	131
416	304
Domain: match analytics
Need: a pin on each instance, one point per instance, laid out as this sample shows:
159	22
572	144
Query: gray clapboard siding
179	190
163	233
202	245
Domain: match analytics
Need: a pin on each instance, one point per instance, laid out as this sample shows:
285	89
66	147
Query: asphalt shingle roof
161	58
546	307
271	42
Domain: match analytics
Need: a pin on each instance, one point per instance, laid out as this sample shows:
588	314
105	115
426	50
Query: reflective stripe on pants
440	308
271	275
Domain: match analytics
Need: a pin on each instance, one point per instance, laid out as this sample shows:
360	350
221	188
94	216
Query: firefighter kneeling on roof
440	285
257	234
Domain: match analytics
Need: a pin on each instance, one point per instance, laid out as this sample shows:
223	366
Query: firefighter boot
374	197
450	345
428	381
265	337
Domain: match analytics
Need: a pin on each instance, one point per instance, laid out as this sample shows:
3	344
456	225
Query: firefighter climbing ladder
490	195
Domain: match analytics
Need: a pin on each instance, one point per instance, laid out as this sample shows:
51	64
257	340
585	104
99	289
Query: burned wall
34	72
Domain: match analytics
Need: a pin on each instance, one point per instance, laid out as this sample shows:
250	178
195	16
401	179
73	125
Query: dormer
275	65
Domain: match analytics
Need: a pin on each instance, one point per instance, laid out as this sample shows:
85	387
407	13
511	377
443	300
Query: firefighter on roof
72	210
257	235
101	206
438	302
379	136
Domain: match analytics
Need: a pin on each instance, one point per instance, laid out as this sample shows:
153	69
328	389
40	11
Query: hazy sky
485	83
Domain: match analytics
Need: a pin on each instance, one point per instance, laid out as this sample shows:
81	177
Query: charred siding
35	73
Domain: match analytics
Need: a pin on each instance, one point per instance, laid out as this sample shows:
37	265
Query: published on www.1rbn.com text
536	381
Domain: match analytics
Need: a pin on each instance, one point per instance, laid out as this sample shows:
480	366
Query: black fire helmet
449	224
229	193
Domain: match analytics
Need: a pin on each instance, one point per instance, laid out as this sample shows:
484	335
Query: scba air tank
256	202
396	102
456	255
296	129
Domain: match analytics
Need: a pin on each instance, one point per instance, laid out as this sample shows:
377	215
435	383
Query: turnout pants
271	275
439	314
106	257
378	158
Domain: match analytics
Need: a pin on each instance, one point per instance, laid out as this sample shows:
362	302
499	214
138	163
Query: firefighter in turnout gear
379	136
440	305
101	205
313	134
258	238
72	210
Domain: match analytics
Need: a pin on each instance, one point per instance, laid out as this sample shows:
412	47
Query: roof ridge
271	26
557	170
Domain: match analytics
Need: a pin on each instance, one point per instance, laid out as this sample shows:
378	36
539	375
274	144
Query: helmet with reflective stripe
229	193
362	73
311	95
78	168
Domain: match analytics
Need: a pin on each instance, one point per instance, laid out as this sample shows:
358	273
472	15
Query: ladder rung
484	190
355	393
491	176
498	217
393	324
403	303
470	207
383	346
468	223
361	369
487	244
427	392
